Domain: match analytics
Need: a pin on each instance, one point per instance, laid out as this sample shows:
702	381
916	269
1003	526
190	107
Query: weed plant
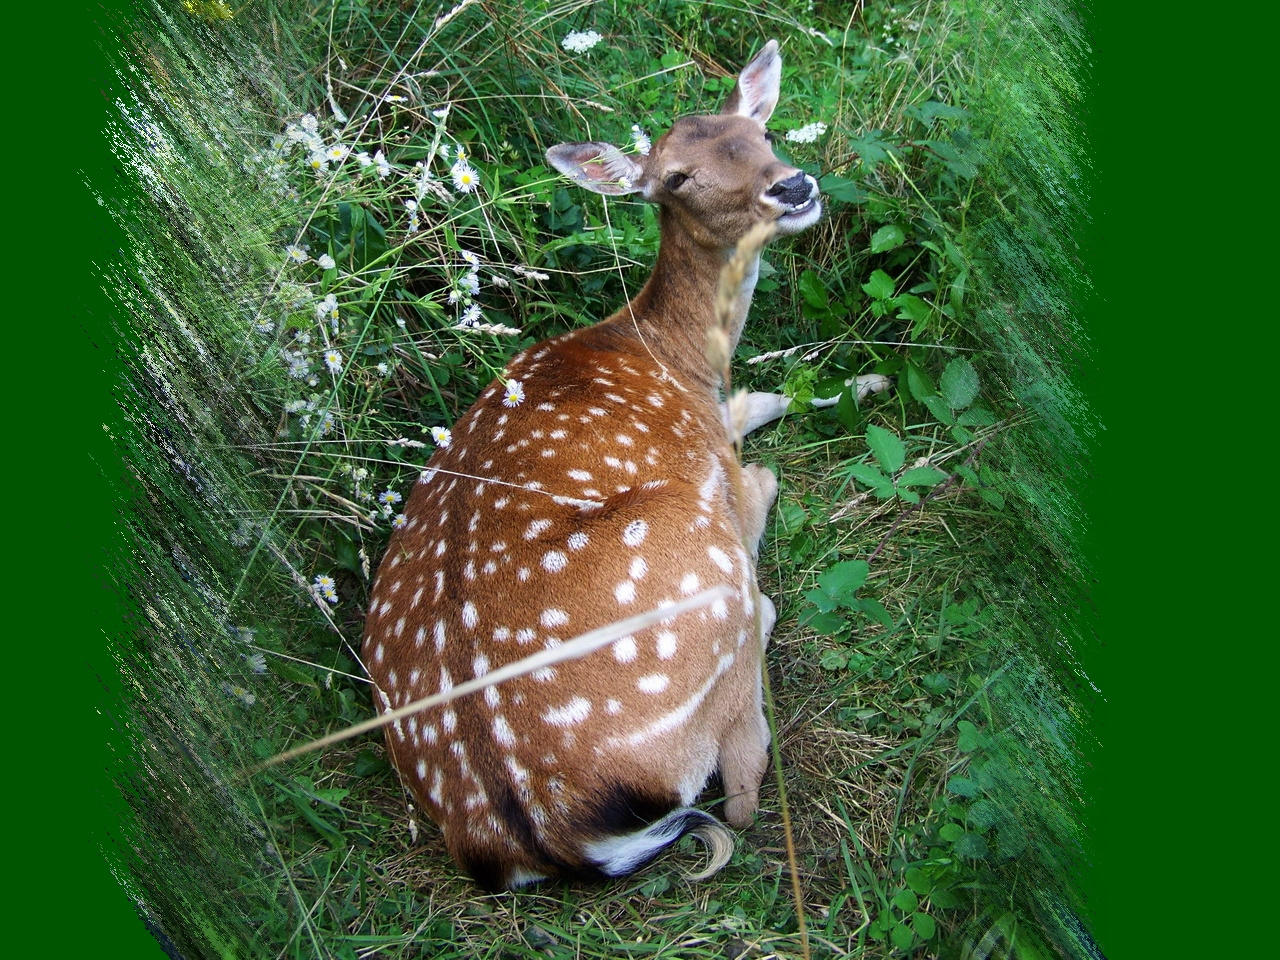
344	228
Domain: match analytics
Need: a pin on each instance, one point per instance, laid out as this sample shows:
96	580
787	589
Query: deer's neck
677	305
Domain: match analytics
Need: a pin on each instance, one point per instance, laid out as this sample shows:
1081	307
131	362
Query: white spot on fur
624	650
635	533
552	617
568	714
720	559
553	561
653	683
625	592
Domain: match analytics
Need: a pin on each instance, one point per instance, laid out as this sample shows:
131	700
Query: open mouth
801	213
802	208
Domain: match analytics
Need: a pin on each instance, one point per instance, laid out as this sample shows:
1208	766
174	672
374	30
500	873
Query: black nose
793	191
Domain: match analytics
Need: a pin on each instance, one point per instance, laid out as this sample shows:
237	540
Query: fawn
597	479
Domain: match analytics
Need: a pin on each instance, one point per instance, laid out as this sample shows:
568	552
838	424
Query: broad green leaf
829	387
918	881
833	660
812	290
886	238
992	497
880	285
969	737
911	307
924	925
870	148
820	599
972	845
976	417
828	623
951	832
867	474
963	787
983	815
1011	840
842	189
841	580
887	448
875	609
906	901
902	936
919	382
938	407
921	477
959	383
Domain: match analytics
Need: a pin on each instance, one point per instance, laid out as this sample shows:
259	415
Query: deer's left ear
756	92
600	167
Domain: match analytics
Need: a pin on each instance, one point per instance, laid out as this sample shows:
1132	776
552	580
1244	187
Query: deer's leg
744	750
759	490
757	409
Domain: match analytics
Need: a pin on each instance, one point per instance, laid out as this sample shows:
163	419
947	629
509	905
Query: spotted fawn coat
610	488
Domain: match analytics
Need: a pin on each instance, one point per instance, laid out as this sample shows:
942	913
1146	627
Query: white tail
594	481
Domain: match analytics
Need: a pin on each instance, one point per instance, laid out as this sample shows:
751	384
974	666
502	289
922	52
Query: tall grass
344	227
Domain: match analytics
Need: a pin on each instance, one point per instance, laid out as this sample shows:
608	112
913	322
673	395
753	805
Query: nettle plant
383	316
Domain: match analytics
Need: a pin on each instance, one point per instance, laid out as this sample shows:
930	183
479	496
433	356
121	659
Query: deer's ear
600	167
756	92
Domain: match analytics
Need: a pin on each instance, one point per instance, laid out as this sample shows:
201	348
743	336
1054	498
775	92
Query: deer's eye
675	181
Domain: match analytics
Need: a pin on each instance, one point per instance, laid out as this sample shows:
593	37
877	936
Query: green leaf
902	936
833	660
367	762
919	382
983	815
976	417
922	477
870	148
911	307
969	737
886	238
812	290
1011	840
828	623
867	474
917	880
938	407
951	832
841	580
924	925
821	599
886	447
875	609
992	497
842	189
880	285
973	846
959	383
963	787
906	901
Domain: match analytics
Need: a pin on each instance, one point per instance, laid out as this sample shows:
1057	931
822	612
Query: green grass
921	545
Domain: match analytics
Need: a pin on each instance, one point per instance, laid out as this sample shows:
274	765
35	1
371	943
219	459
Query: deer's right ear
756	92
600	167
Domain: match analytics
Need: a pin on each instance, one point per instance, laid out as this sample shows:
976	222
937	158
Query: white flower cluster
580	41
808	133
